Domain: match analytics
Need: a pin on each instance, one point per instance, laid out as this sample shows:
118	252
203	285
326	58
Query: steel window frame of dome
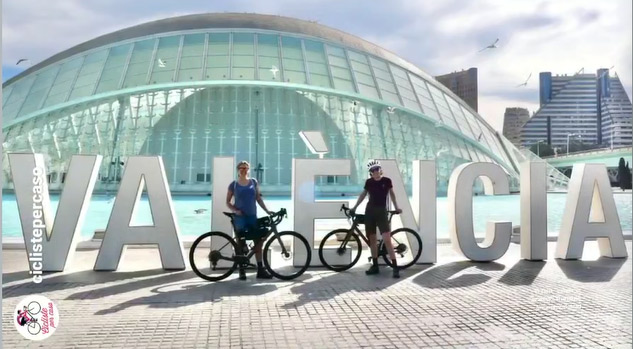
446	99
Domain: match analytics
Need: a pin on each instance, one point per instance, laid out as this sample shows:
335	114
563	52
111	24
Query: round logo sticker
36	317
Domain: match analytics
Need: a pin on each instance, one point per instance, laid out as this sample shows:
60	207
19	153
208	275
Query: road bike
216	255
341	249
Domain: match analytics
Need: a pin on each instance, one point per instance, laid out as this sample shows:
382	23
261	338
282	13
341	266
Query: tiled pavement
455	303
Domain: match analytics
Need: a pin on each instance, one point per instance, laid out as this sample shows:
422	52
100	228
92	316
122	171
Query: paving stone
454	304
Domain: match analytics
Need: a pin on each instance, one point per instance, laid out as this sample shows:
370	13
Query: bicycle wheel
212	256
287	255
340	255
34	328
34	308
407	245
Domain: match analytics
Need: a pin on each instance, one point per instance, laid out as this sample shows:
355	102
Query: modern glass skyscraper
593	108
241	85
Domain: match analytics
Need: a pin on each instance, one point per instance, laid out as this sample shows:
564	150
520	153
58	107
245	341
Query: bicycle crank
401	249
214	257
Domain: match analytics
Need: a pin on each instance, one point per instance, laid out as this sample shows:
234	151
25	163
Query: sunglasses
375	169
242	168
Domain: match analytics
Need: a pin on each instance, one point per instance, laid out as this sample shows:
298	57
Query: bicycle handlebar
348	212
277	217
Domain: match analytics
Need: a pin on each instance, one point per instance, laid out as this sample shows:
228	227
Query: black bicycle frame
251	251
360	233
354	227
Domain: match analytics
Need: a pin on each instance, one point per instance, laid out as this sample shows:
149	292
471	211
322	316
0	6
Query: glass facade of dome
191	94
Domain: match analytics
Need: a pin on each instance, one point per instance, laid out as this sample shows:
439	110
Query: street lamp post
538	148
570	135
612	132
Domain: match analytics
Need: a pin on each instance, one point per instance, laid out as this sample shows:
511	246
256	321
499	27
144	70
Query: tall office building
615	112
593	108
513	119
463	84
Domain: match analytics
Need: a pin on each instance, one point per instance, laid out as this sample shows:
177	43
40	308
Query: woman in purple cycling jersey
378	187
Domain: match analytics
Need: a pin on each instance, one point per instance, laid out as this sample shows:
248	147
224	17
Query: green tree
577	145
542	149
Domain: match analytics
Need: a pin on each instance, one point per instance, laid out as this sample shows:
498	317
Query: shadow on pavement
331	284
601	270
442	276
63	281
523	273
133	285
15	276
199	291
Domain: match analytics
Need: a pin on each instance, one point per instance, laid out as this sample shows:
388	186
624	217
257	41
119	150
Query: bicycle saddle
229	214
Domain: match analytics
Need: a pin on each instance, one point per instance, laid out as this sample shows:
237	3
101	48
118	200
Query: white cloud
492	108
556	36
40	29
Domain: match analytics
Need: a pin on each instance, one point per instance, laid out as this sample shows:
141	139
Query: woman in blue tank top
246	192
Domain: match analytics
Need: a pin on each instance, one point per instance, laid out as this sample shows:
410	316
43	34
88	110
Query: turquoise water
191	224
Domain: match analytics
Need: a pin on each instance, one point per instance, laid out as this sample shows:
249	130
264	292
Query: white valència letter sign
590	212
534	211
460	206
223	175
306	209
140	171
419	215
46	243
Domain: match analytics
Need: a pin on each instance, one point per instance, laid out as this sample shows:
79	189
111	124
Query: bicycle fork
284	251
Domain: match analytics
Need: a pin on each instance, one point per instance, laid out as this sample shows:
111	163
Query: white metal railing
556	180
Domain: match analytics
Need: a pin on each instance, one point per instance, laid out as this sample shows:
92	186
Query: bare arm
393	198
260	201
229	196
361	197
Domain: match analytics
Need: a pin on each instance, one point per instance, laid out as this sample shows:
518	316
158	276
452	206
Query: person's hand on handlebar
352	211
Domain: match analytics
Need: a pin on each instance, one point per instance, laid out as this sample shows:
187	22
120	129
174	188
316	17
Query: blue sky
438	36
